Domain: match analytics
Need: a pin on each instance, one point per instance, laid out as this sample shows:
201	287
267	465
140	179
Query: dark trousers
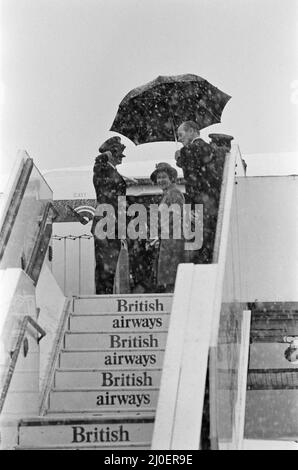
205	254
106	257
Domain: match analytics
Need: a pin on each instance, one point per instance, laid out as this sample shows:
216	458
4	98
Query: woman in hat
171	247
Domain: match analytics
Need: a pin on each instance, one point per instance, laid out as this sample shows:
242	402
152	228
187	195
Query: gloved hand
177	154
152	243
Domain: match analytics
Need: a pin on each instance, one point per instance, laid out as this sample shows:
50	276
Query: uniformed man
109	185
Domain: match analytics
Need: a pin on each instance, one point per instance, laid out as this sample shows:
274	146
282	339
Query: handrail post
219	257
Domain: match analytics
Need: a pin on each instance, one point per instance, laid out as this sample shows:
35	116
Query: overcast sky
67	64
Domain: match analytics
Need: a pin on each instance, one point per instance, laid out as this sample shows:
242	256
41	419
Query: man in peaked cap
108	184
113	143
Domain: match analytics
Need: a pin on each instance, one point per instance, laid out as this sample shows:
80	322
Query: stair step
154	340
96	378
146	303
92	401
125	446
124	358
76	433
106	384
119	322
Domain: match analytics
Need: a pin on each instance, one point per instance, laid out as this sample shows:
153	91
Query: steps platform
124	358
126	303
131	339
115	323
91	401
114	432
103	392
101	379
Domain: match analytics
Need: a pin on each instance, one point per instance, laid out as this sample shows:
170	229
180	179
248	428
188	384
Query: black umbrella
152	112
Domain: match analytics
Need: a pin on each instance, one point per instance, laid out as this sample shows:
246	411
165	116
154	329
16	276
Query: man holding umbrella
203	176
151	113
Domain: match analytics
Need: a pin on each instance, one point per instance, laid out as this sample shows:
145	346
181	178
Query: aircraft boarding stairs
129	371
104	388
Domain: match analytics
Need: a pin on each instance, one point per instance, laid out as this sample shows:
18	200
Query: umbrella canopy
153	112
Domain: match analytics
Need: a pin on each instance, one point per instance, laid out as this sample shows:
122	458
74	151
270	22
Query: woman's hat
167	168
111	144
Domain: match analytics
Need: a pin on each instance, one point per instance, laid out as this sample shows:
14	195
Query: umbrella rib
209	111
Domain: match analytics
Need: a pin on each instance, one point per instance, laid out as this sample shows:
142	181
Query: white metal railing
12	202
15	354
11	184
73	262
55	350
24	217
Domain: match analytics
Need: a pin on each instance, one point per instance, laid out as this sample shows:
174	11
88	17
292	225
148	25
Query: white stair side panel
173	355
24	381
154	340
180	403
148	303
101	401
17	402
126	359
191	391
106	379
119	322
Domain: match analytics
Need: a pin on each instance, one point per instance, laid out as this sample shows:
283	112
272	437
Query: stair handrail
11	183
13	202
219	257
222	232
42	236
55	354
221	206
15	353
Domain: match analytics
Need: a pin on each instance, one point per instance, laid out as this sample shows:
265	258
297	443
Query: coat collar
172	186
111	164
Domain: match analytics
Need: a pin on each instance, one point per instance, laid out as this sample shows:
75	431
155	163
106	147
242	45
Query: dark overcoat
203	173
108	184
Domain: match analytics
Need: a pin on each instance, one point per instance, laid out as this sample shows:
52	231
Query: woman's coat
171	251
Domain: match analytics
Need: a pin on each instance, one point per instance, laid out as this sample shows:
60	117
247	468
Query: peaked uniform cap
112	143
221	137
